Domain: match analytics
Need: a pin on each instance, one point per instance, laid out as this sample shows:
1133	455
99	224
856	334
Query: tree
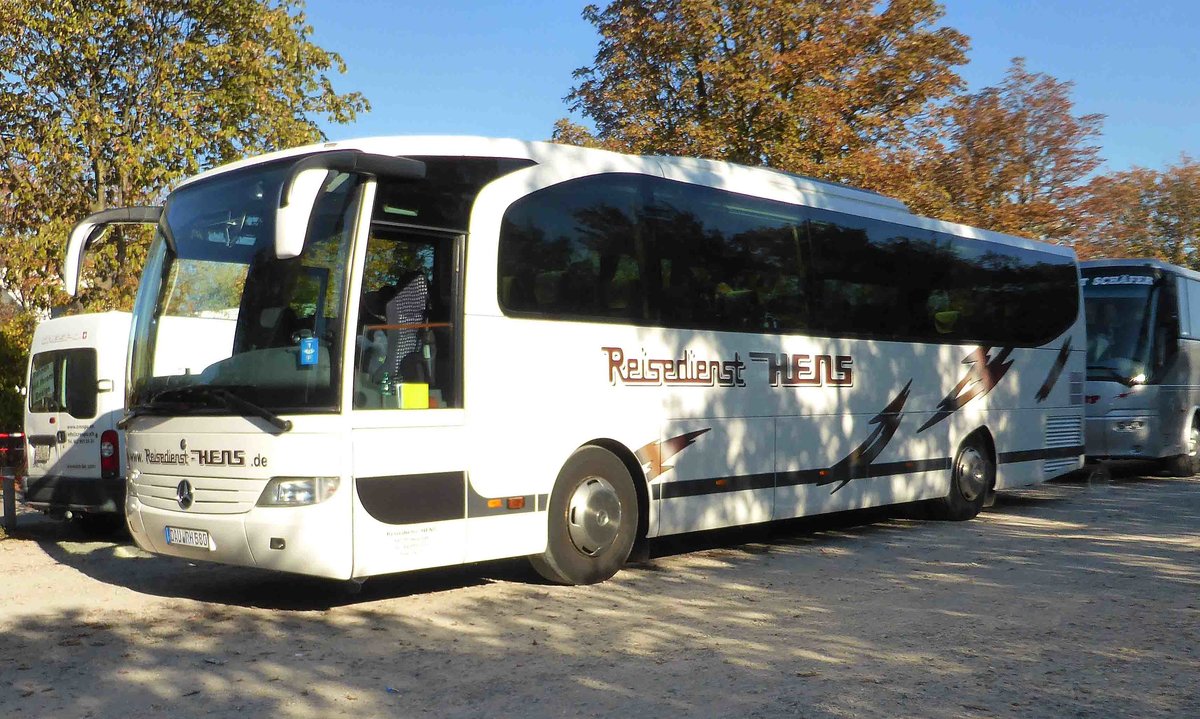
1010	158
16	330
108	103
807	86
572	133
1144	213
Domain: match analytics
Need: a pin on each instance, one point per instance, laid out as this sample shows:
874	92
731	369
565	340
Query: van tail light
110	454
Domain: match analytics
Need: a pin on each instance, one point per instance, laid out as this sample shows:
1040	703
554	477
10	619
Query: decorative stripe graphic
983	375
767	480
715	485
1051	379
855	465
655	453
1029	455
885	469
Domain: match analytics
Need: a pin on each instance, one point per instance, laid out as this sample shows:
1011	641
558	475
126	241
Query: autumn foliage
812	87
1143	213
107	104
1011	158
862	91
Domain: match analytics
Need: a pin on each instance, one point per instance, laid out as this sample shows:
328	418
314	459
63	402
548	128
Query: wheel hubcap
593	516
1193	441
972	474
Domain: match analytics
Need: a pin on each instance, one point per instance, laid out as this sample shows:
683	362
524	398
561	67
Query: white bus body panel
756	434
228	461
413	443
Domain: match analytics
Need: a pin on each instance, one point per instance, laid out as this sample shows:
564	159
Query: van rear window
64	381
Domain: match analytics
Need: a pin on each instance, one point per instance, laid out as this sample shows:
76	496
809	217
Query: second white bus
450	350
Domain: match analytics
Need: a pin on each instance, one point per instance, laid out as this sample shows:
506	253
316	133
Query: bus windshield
220	323
1119	321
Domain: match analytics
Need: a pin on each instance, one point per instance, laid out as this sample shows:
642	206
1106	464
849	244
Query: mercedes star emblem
184	495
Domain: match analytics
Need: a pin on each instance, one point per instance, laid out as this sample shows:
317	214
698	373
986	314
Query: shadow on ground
1068	599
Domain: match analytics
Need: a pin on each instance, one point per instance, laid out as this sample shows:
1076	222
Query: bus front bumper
1132	436
281	539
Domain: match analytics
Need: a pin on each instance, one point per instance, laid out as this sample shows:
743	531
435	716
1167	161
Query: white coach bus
1143	367
450	350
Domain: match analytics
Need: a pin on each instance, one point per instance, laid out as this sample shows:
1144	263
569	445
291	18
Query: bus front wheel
592	521
1186	464
972	479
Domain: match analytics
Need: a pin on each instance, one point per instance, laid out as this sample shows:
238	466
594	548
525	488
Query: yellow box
413	395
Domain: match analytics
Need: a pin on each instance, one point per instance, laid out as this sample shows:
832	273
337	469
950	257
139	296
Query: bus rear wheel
972	479
593	519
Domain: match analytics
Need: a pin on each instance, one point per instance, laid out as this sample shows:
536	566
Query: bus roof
1142	262
713	173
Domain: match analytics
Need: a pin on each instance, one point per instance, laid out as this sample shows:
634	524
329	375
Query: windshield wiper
176	396
248	408
154	405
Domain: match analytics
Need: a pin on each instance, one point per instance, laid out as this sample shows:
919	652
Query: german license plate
41	453
187	537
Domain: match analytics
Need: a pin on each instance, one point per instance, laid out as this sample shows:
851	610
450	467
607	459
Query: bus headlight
297	491
1129	425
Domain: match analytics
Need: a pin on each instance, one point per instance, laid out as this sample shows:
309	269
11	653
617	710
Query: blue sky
501	69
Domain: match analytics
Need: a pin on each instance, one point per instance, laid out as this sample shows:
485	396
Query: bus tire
1186	464
973	476
592	521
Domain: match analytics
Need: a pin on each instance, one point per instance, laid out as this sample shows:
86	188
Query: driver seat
409	352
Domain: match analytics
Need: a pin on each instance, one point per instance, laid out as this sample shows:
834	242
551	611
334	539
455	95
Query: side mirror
91	227
295	211
104	385
299	193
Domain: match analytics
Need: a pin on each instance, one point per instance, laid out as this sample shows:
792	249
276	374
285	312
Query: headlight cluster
297	491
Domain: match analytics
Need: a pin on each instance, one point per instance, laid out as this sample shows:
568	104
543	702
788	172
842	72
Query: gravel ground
1065	600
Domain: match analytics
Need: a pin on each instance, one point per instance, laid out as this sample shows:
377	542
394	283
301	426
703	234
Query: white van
75	395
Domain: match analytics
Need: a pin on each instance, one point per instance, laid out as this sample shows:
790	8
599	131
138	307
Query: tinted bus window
1011	295
874	278
1193	299
576	250
647	250
443	198
727	261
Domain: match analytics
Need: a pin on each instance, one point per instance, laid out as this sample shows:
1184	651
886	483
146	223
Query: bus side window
1193	296
1181	302
1166	329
